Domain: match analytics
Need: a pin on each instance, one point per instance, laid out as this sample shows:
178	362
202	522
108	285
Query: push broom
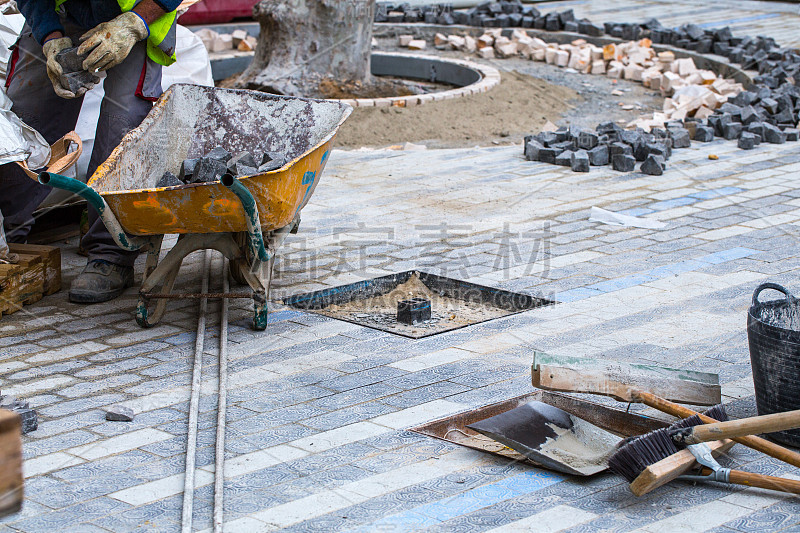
646	461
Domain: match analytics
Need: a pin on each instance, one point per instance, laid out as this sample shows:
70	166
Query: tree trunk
306	44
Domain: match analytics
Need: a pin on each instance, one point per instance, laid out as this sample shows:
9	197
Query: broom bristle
635	456
717	412
637	453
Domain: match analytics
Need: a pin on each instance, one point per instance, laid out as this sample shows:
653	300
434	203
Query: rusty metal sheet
454	428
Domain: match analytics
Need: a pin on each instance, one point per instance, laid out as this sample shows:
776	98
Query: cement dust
585	445
381	311
520	105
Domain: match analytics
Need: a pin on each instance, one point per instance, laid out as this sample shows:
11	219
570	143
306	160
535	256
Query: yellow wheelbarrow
245	219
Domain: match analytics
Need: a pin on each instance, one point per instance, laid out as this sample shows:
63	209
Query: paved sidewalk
319	409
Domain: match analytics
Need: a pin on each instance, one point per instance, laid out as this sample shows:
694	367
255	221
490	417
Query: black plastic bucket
773	329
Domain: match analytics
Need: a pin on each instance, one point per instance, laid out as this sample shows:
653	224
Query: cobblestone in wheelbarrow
188	168
209	170
243	164
243	158
272	161
168	180
219	154
240	171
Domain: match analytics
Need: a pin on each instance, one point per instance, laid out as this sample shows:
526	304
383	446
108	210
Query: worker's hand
54	71
111	42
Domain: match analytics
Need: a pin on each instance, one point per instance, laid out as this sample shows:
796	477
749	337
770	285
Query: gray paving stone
488	233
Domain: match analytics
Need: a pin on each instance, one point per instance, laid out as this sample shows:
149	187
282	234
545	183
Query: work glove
111	42
54	71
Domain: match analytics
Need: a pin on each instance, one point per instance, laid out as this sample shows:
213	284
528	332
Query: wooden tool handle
761	481
743	427
756	443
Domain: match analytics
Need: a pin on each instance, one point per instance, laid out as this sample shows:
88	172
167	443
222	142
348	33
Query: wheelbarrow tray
187	122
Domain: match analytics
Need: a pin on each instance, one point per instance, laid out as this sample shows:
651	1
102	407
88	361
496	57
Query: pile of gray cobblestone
609	144
503	14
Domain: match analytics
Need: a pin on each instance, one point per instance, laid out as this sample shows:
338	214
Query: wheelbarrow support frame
252	255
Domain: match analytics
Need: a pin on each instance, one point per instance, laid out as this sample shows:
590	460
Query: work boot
100	282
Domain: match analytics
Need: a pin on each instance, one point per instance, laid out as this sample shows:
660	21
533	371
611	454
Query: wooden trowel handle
741	428
756	443
748	479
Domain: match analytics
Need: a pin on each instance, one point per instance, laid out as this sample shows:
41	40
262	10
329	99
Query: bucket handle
774	286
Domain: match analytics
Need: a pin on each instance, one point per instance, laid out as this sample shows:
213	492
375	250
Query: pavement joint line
744	202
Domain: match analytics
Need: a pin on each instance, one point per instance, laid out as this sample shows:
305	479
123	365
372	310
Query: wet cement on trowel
583	446
446	313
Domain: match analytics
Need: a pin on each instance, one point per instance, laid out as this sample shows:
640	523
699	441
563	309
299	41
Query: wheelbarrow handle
254	235
123	240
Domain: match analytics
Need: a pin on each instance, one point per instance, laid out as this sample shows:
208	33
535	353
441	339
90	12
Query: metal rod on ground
222	405
194	404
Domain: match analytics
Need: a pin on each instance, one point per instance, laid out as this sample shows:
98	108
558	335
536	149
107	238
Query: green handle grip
254	234
74	186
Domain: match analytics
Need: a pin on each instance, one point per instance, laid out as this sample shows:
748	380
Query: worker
128	40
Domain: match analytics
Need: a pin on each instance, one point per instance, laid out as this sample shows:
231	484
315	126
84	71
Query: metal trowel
552	438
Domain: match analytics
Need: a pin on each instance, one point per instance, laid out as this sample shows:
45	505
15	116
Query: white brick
552	520
161	488
419	414
430	360
49	463
339	436
120	443
699	519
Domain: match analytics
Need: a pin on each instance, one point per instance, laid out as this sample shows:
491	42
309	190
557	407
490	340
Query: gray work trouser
130	90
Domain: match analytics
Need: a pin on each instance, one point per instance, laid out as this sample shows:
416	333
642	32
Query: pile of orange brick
225	42
689	91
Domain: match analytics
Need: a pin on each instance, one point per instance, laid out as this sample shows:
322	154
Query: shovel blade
552	438
623	380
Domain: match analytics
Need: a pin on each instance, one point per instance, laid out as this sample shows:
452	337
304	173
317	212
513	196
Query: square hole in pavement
455	304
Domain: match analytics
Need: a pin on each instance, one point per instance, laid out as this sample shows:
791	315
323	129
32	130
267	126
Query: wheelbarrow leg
153	255
143	316
258	274
260	291
265	280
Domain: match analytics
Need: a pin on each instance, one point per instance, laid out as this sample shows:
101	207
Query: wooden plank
9	289
11	480
31	279
674	466
622	381
22	283
51	256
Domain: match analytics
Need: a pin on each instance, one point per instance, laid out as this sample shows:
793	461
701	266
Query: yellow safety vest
162	41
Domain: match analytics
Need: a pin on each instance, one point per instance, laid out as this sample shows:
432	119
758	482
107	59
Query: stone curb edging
490	78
